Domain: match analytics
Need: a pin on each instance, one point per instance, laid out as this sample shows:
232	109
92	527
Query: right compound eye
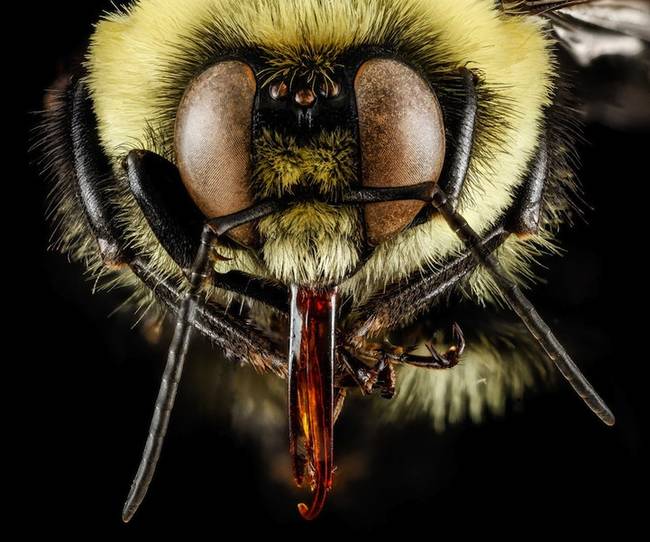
402	134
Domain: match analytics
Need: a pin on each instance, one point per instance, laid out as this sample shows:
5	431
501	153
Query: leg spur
436	360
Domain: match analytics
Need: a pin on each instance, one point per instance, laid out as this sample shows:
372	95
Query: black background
86	383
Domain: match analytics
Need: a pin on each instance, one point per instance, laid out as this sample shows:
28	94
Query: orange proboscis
311	392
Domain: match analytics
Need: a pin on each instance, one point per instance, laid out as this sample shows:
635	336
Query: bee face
302	130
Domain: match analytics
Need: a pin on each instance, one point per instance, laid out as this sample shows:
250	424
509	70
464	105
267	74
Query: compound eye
402	135
213	142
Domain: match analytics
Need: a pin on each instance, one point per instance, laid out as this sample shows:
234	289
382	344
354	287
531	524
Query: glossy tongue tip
311	391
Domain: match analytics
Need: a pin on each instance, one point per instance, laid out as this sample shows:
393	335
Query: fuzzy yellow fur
131	50
326	164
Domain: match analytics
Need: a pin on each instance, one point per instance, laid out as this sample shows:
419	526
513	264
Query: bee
337	169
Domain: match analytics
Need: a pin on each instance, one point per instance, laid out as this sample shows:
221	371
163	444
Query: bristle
71	233
326	164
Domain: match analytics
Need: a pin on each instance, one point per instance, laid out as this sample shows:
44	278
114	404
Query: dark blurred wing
608	43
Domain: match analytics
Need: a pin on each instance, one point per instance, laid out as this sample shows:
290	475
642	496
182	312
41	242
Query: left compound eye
402	136
213	142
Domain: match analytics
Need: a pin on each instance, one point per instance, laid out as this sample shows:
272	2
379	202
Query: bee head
279	101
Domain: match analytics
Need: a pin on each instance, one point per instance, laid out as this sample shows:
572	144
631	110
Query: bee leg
524	309
357	374
92	169
526	218
401	303
386	381
437	360
271	294
382	376
188	306
455	174
240	342
158	189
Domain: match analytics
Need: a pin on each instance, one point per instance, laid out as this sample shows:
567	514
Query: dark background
85	382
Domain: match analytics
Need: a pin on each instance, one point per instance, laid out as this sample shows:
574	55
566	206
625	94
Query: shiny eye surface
278	90
329	89
213	142
402	135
